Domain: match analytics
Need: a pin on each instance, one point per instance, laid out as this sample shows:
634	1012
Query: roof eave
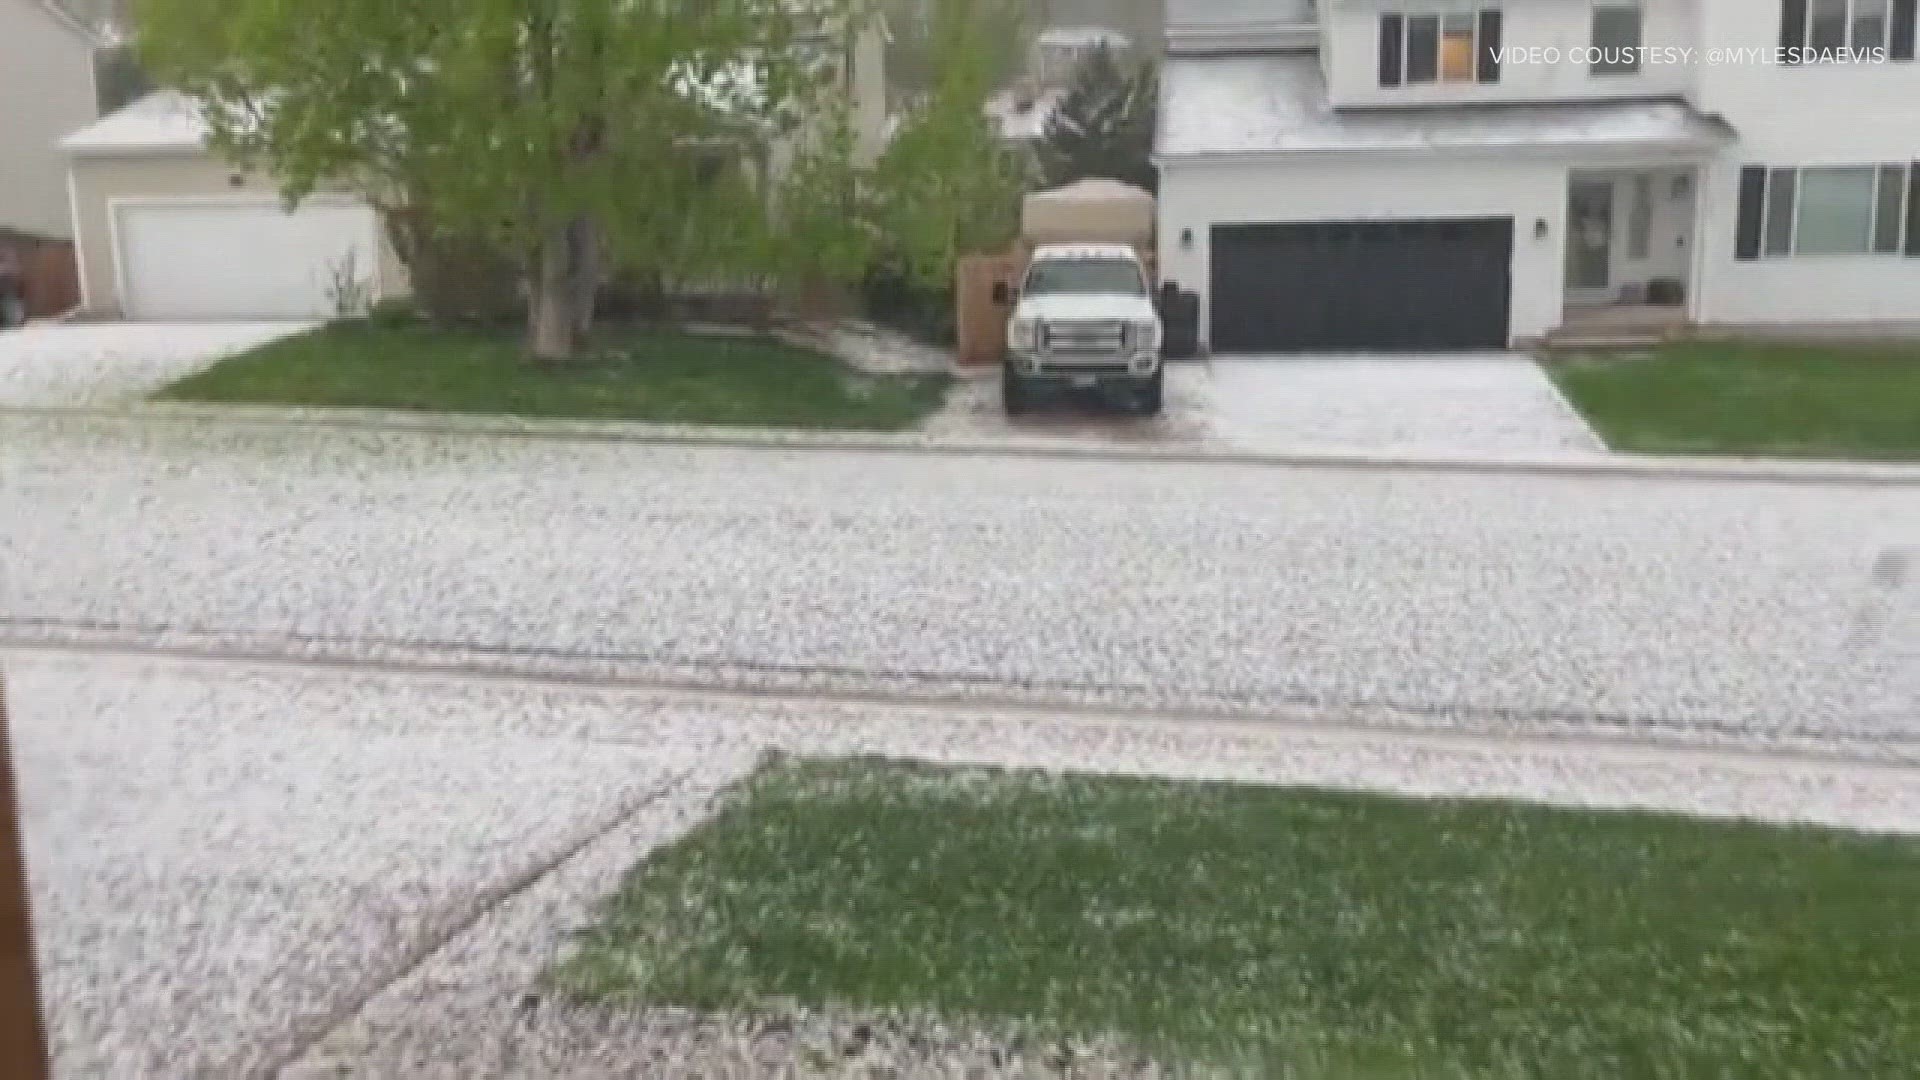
1528	151
59	14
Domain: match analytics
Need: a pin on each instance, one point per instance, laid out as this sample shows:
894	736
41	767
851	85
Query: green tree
1104	125
947	185
572	135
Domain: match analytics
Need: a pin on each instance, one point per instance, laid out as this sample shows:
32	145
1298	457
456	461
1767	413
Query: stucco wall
1800	116
97	181
1197	196
46	94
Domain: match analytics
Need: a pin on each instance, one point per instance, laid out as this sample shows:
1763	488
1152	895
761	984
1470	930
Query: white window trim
1853	14
1439	42
1873	217
1595	71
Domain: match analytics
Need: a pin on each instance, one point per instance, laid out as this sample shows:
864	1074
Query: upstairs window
1815	30
1617	36
1455	47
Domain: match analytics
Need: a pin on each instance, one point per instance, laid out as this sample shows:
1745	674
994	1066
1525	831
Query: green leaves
947	185
1104	126
506	119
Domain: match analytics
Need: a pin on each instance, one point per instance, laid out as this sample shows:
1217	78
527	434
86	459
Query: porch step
1604	341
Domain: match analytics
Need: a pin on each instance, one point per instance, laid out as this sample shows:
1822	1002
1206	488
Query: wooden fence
48	269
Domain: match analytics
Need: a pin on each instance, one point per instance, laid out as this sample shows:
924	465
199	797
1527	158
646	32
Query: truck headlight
1145	335
1023	334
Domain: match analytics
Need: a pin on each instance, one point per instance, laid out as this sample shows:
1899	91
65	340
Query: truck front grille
1102	336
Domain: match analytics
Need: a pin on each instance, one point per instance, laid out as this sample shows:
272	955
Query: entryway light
1186	239
1539	228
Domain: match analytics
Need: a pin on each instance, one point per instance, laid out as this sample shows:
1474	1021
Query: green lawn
1269	932
665	377
1755	399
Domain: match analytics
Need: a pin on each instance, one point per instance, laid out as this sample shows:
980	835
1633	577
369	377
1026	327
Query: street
1748	611
327	739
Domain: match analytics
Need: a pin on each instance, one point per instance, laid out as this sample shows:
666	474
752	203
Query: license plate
1083	381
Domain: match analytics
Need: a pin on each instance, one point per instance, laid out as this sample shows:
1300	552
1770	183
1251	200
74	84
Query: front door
1589	238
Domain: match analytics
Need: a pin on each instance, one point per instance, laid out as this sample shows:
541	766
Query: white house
47	88
1446	174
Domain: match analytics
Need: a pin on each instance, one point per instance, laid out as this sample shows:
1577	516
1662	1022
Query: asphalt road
1741	611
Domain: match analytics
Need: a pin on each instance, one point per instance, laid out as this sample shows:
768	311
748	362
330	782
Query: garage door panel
1361	285
241	259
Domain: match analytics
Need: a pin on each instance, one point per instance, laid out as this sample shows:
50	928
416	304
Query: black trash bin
1180	315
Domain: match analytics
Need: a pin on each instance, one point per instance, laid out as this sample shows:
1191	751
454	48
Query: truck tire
1014	392
1150	393
13	309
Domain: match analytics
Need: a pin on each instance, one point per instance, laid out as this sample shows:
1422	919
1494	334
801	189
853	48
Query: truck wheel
13	309
1013	392
1150	393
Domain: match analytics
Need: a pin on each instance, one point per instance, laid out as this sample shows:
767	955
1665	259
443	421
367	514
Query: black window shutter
1793	24
1900	37
1490	23
1393	30
1753	201
1913	211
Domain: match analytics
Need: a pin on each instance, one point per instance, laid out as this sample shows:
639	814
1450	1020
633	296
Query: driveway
53	364
1488	403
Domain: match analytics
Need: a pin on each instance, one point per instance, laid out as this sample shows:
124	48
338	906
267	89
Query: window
1616	34
1833	25
1836	212
1851	210
1456	47
1640	218
1049	277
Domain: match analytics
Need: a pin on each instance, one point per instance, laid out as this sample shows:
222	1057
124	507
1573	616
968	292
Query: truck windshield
1054	276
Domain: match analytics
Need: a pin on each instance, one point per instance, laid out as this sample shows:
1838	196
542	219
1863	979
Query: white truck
1084	316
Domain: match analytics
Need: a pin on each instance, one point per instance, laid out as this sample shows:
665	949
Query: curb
1752	470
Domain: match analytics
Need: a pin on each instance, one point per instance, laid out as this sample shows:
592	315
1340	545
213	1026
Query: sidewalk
351	873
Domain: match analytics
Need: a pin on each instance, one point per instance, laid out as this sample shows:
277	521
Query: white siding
1197	196
46	94
1353	63
1799	116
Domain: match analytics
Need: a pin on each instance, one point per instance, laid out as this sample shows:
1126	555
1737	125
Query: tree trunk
586	276
553	325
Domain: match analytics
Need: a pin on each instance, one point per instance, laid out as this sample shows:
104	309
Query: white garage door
240	259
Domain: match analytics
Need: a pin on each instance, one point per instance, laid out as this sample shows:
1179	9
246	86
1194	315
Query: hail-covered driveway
60	364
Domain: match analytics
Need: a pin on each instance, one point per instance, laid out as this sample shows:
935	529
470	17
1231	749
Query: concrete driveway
53	364
1487	403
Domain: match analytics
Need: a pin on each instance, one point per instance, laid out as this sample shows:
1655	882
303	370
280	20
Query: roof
1226	14
60	14
1024	125
1083	37
1093	189
1277	104
1083	251
163	120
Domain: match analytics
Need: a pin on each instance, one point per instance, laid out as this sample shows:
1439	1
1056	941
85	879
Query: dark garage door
1307	286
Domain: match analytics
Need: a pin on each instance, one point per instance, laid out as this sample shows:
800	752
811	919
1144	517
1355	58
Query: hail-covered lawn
631	374
1276	932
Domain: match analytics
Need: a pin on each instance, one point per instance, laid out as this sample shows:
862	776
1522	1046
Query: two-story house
1451	174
